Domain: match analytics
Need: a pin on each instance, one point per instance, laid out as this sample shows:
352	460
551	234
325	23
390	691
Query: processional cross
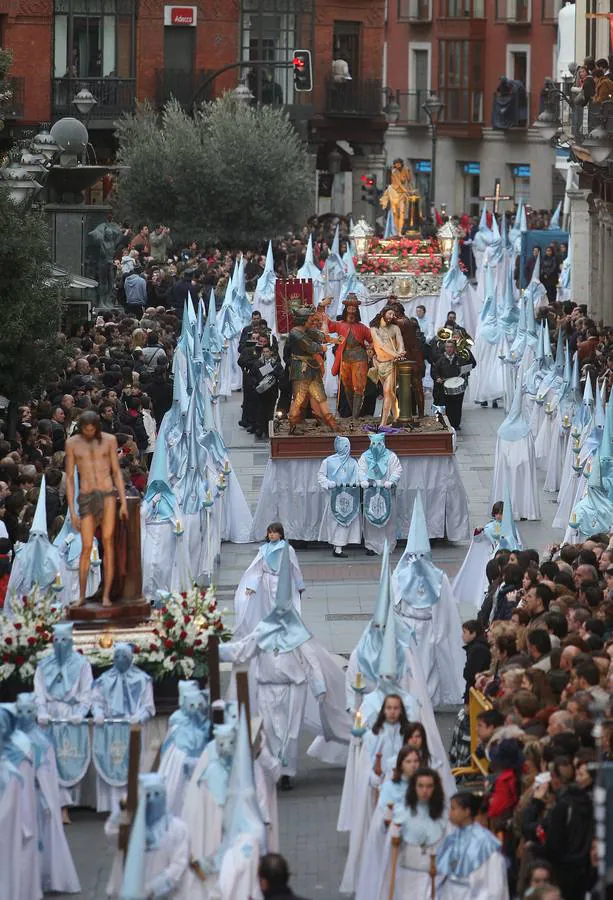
497	197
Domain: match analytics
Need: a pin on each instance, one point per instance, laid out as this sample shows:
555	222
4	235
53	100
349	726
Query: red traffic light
298	62
368	180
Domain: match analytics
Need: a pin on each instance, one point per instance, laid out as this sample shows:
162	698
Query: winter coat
478	659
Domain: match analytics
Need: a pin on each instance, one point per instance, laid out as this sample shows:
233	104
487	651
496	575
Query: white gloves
43	719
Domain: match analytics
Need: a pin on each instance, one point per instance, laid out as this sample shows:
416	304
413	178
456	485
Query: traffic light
370	193
303	71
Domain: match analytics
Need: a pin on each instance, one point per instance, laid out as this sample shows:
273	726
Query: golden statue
402	196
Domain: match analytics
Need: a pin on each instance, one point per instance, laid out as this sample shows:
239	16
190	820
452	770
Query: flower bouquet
25	637
178	642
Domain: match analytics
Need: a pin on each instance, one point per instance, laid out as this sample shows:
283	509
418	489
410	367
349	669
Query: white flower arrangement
25	637
178	643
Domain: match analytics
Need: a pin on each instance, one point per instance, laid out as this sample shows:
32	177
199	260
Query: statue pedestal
128	605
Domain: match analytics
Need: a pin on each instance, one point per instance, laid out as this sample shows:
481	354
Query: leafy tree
231	172
30	306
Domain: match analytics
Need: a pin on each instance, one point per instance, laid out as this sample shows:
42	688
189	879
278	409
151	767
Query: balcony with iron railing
358	97
113	96
411	107
574	122
511	111
12	106
417	12
514	12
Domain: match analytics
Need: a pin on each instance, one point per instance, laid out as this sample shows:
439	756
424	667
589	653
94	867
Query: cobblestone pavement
338	602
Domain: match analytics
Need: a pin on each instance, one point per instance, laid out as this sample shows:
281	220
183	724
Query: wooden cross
497	197
129	805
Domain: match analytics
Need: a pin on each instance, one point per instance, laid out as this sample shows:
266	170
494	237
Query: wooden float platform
429	437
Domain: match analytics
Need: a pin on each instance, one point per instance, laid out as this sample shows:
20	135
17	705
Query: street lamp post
433	107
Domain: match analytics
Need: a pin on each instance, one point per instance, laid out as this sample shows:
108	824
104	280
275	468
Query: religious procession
180	699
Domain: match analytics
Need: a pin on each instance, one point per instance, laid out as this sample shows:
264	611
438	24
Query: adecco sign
181	15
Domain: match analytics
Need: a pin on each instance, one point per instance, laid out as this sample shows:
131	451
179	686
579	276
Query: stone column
582	244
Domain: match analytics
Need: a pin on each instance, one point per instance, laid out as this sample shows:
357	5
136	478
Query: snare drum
455	385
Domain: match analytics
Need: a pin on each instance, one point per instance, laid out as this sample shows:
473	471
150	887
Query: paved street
338	601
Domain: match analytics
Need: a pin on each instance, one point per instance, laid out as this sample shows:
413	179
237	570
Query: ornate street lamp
45	144
361	236
242	94
446	235
391	112
433	107
19	181
84	102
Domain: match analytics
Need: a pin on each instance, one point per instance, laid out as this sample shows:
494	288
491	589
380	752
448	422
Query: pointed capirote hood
214	340
265	287
388	659
504	233
242	816
566	268
159	495
336	242
515	427
531	293
454	280
509	316
547	354
282	630
554	222
418	542
134	883
416	580
606	442
489	328
309	269
383	596
518	345
509	537
559	360
39	523
483	226
593	514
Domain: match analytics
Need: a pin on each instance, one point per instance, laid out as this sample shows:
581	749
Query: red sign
181	15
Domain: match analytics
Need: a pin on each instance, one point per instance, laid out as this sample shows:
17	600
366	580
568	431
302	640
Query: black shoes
370	552
340	555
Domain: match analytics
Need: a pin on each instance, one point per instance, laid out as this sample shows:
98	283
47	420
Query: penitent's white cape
250	609
11	830
279	693
485	883
58	870
470	583
170	860
515	467
438	632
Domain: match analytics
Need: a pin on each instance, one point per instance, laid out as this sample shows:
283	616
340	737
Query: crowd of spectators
541	652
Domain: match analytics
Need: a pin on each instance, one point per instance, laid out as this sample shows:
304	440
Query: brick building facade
125	51
461	49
